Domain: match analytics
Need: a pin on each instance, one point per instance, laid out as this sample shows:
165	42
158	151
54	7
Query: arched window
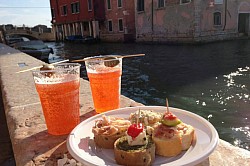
217	18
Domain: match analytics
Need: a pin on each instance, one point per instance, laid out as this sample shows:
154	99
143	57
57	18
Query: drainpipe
152	15
225	16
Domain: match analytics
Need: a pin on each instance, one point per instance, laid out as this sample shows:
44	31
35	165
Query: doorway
243	24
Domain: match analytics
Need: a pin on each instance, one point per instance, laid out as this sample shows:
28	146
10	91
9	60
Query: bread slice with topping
108	129
171	141
167	141
138	155
146	117
107	141
172	136
187	135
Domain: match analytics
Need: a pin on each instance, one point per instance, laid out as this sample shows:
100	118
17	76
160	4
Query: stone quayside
31	143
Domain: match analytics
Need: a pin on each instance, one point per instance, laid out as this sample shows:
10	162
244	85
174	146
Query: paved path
6	153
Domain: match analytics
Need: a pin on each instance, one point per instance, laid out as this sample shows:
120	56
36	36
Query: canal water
211	80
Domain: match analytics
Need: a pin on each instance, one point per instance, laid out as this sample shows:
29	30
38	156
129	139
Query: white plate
81	145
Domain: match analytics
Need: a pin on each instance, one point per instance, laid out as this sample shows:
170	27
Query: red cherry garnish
134	130
169	116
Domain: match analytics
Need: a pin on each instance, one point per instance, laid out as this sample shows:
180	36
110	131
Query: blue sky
27	12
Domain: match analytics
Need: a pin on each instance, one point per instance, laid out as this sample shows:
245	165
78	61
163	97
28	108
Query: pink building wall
191	22
127	14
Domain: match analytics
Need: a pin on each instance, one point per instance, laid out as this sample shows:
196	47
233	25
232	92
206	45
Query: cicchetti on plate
82	146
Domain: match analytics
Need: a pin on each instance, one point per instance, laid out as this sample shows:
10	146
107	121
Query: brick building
152	20
109	20
74	17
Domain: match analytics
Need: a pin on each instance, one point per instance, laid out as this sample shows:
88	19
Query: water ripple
211	80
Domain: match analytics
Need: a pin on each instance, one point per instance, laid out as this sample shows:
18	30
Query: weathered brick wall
174	22
191	22
126	13
112	37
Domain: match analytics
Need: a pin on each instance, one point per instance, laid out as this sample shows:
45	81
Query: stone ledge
31	143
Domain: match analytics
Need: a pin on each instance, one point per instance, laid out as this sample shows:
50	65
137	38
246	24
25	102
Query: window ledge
161	8
217	26
139	12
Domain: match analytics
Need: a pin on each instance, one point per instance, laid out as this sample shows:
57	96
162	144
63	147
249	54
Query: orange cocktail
59	96
105	82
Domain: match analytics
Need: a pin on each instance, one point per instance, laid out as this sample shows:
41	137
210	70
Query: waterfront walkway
30	141
6	154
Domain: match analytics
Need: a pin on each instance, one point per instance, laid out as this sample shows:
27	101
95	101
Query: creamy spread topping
147	117
163	131
110	125
141	139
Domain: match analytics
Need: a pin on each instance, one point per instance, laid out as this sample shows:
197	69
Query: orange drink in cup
58	90
104	73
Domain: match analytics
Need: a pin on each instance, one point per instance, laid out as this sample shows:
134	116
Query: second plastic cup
58	90
104	73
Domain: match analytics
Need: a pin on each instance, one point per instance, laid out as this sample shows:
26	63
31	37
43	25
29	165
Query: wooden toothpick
128	56
66	60
37	67
118	56
139	113
167	105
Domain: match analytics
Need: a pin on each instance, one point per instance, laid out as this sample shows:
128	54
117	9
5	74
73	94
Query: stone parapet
31	143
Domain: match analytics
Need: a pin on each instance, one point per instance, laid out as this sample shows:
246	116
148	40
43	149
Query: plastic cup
58	90
104	73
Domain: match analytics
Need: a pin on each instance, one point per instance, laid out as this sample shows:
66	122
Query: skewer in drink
104	73
58	89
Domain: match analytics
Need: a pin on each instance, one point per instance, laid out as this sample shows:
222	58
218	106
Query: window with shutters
217	18
89	5
120	24
140	5
119	3
161	3
110	26
108	4
75	8
64	10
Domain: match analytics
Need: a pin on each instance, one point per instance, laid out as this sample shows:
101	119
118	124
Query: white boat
35	48
11	41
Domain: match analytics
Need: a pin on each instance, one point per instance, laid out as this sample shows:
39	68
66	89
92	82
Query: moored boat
35	48
81	39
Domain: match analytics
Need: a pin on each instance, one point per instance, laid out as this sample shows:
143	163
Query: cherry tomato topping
169	116
134	130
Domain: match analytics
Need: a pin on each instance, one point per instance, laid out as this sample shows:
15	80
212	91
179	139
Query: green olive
111	61
47	67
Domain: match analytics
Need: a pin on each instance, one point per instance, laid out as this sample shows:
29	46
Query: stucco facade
119	22
192	21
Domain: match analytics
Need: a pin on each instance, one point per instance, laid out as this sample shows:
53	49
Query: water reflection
211	80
